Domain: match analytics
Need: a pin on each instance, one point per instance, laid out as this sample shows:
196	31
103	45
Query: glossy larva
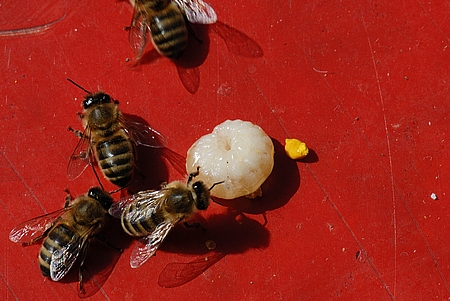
237	152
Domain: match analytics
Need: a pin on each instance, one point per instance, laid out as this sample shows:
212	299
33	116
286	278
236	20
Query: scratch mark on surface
9	288
320	71
269	106
9	58
24	183
391	170
327	197
417	171
434	22
30	30
358	242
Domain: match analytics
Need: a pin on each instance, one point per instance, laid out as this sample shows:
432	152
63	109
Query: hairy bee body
177	202
112	146
115	157
165	22
66	232
151	214
110	139
167	26
59	237
86	215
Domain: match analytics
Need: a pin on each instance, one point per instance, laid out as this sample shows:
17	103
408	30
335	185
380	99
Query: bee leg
163	184
77	133
193	175
96	175
68	199
104	240
80	270
194	225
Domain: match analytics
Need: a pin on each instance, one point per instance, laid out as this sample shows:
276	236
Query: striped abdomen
116	158
169	31
140	224
57	238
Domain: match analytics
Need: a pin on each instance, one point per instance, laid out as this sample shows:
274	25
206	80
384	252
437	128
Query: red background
364	83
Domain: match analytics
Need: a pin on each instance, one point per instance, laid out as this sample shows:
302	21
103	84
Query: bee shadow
236	41
229	233
277	190
151	169
197	51
101	258
232	232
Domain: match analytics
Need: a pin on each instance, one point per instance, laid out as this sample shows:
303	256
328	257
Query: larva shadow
277	190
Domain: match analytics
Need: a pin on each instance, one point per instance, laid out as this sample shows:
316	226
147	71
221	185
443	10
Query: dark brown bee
67	232
164	21
110	138
152	214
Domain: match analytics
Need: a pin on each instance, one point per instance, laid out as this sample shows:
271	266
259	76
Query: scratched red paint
364	84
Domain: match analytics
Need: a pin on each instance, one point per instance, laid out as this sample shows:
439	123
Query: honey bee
67	232
164	21
151	214
110	139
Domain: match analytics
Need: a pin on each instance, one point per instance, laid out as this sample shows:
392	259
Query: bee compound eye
198	187
101	196
104	98
94	192
88	101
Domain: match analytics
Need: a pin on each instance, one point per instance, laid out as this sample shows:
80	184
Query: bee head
101	196
203	195
95	99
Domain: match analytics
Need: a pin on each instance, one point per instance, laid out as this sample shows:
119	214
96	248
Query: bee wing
144	135
147	200
64	258
35	228
80	157
138	33
148	245
176	274
197	11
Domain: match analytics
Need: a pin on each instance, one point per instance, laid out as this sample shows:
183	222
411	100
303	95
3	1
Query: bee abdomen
56	239
140	227
115	158
169	32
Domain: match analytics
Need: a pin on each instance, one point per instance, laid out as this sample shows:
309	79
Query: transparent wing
143	134
147	246
197	11
35	228
138	33
80	157
146	200
63	259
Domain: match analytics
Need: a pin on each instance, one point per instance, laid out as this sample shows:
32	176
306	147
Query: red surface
365	84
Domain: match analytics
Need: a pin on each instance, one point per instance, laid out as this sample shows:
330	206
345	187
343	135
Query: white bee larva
236	152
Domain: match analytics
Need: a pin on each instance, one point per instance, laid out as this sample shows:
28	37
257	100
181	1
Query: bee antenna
217	183
74	83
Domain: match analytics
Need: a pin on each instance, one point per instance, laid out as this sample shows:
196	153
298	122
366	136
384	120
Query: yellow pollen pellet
296	149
